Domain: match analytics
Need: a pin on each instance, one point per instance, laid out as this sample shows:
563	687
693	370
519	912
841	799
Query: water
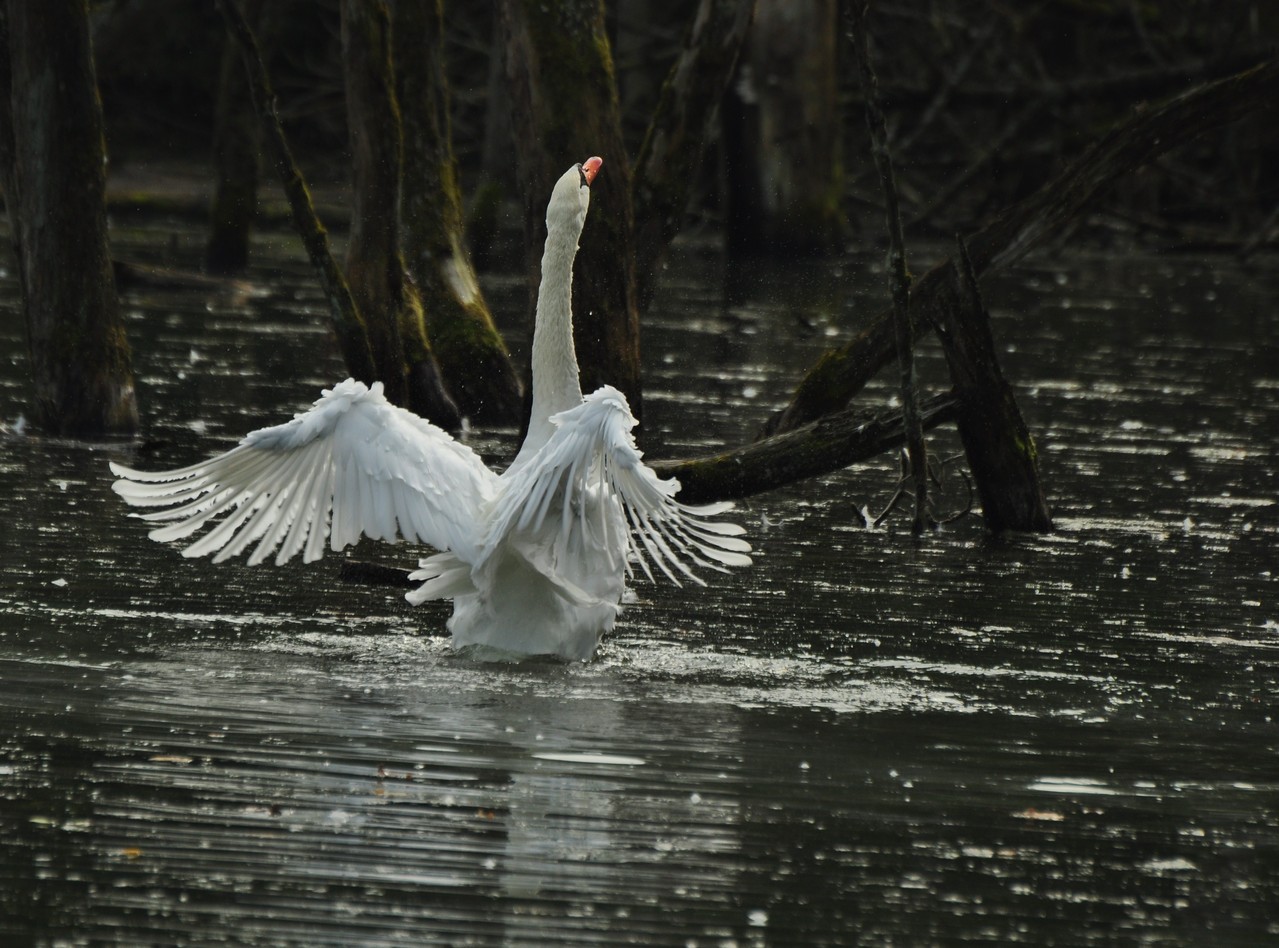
865	738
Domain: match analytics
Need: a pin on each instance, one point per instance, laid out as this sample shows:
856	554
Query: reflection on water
1062	739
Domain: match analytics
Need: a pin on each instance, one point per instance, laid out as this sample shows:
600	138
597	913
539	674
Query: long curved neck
556	386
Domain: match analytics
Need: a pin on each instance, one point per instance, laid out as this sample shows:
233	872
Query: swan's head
572	194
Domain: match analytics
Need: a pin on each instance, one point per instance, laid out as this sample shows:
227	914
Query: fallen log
821	447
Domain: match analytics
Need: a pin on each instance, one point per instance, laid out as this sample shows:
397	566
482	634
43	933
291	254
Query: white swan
535	560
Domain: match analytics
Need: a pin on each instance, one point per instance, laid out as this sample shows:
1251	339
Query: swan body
535	559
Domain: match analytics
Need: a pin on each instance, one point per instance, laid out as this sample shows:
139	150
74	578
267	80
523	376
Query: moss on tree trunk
79	354
374	267
472	357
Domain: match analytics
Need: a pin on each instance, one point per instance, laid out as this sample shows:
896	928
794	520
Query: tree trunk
782	134
497	172
8	169
565	109
680	128
841	372
374	268
348	325
472	356
79	353
235	160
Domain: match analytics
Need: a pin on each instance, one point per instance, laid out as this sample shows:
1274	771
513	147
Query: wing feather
352	465
593	451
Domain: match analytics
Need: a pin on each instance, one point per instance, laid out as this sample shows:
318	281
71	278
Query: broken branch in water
822	447
840	373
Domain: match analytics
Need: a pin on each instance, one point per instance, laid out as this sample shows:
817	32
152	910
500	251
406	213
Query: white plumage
535	560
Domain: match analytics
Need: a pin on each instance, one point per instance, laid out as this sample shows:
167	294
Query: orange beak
590	168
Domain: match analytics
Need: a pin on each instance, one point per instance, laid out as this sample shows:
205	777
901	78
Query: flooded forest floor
1067	738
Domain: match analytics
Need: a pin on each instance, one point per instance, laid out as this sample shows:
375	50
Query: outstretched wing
353	464
593	453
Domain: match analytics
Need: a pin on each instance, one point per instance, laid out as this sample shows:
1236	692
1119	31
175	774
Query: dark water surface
864	738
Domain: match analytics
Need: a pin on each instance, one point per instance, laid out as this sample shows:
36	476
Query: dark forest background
985	100
781	128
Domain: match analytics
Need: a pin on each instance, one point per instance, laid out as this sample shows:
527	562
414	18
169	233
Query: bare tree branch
856	15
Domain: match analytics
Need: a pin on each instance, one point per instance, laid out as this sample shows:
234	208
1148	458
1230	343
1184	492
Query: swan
535	559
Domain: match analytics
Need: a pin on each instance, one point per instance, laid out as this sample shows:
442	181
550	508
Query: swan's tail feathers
443	576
